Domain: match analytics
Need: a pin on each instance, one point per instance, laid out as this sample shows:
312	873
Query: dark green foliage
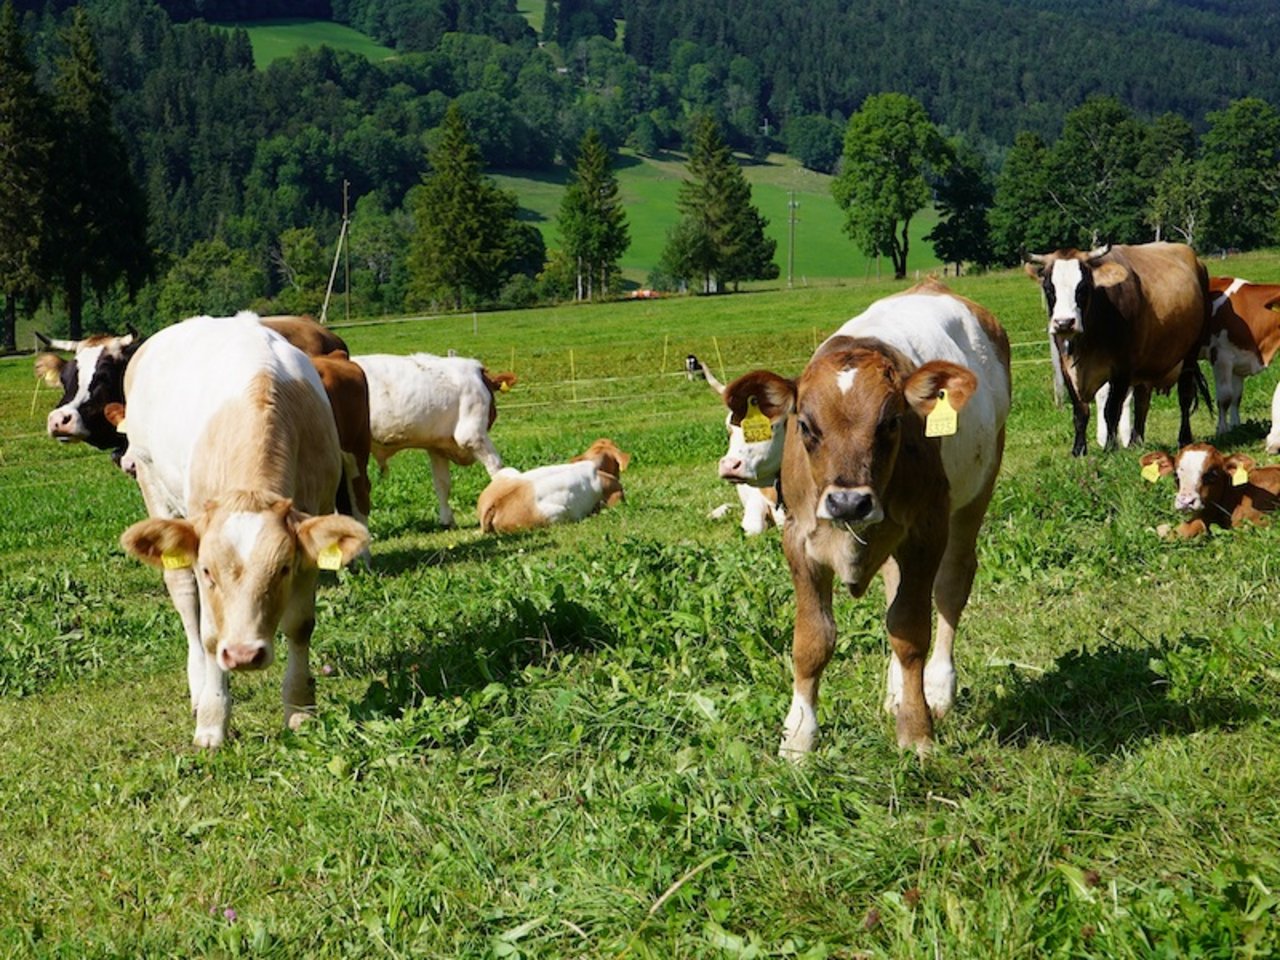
963	196
592	221
461	249
815	141
1024	217
25	144
1240	160
720	238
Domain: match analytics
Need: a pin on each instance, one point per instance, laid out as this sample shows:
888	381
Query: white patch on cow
242	530
563	492
757	464
1273	438
1236	286
845	378
1066	278
799	730
1190	473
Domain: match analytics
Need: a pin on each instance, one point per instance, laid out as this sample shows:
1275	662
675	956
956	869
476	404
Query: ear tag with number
175	559
1239	476
756	427
1151	472
941	421
330	558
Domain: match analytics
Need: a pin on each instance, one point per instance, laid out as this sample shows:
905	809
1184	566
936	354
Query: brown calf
1216	489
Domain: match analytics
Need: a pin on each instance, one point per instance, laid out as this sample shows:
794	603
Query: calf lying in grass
560	493
1213	488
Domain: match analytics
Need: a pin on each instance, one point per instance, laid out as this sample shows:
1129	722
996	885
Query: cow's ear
114	413
1162	461
49	368
332	540
1109	274
1034	270
171	544
774	395
927	382
1238	460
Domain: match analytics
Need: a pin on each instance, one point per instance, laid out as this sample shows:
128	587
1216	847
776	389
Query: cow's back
219	403
927	323
1166	309
420	400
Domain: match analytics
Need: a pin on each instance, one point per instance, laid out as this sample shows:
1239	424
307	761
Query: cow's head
92	381
758	404
1202	473
1068	279
247	550
604	453
854	405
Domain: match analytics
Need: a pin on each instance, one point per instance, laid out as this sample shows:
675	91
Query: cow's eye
208	576
808	433
1212	474
284	570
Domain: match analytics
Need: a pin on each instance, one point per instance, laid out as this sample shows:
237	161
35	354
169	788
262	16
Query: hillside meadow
275	39
563	743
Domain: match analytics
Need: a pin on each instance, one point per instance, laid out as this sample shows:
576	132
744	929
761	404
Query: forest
241	170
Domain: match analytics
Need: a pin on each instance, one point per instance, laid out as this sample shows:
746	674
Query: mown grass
649	186
276	39
562	744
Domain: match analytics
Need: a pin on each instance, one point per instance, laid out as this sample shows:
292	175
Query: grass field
823	251
274	39
563	744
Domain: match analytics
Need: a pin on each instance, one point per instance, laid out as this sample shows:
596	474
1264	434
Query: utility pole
346	252
333	272
792	205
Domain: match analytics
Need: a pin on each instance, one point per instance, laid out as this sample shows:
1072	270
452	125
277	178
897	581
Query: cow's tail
1202	386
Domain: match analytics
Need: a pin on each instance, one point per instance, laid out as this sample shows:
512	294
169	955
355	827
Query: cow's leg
892	578
757	512
298	692
1079	402
213	709
185	596
1111	411
1186	400
483	449
1100	401
443	483
1125	428
813	642
951	588
1237	397
1141	394
909	628
1224	382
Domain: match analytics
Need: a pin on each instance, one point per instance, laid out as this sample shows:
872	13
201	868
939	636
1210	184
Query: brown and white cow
1244	334
443	405
559	493
867	487
305	333
348	392
760	507
1126	317
1216	489
238	460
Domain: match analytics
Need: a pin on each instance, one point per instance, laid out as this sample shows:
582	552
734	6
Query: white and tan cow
743	461
1126	317
559	493
237	457
443	405
1216	489
868	487
1244	334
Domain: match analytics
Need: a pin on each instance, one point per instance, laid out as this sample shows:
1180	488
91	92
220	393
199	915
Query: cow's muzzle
65	425
1187	502
1065	326
253	655
733	469
855	507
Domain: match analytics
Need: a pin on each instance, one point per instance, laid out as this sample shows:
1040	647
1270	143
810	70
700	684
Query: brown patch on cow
1248	316
348	392
306	334
773	394
494	382
506	505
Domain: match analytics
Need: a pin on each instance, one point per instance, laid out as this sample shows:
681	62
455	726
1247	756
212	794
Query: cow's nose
244	656
1186	502
856	505
1064	325
59	419
730	467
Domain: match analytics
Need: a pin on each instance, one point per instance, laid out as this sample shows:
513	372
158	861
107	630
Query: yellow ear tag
1151	472
756	427
941	421
175	560
52	378
1239	477
122	427
330	558
504	387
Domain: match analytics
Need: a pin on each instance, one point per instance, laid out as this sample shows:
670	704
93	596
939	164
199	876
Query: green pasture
822	250
275	39
563	744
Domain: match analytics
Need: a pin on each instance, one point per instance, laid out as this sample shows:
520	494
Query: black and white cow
92	383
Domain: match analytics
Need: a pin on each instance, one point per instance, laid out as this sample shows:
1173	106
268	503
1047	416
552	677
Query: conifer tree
592	221
97	214
464	224
24	158
720	237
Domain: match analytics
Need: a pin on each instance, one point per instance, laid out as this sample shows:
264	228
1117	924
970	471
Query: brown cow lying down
1213	488
561	493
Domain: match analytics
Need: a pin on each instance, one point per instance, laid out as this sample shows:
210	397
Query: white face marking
1067	277
1190	473
844	379
241	530
757	464
1235	287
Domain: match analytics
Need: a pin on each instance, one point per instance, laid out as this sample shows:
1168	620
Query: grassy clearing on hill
562	744
276	39
823	251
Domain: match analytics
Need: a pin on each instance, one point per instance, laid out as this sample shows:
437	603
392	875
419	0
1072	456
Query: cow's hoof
939	688
799	732
295	718
209	738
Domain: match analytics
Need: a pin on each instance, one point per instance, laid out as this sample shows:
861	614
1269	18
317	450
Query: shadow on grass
517	635
491	547
1103	700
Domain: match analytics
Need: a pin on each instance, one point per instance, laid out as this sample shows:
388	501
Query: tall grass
562	744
